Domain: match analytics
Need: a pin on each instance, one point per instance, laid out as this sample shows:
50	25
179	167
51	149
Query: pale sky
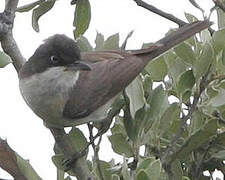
23	130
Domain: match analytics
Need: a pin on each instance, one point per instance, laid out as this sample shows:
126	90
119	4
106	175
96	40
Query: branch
168	16
155	10
8	161
80	167
219	4
8	43
96	149
169	151
10	47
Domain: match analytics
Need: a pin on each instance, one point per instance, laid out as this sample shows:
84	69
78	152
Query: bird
66	87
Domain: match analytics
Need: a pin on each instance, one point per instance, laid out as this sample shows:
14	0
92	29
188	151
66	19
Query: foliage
4	59
187	135
193	68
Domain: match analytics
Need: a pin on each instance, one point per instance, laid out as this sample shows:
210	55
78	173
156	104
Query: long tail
171	40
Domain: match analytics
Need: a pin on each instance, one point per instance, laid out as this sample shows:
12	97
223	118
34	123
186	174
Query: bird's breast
46	93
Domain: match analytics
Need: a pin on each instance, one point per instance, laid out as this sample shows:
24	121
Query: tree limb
10	47
155	10
170	154
8	161
8	43
219	4
80	167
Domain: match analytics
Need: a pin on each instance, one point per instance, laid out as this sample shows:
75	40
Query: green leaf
218	40
195	4
105	168
158	101
138	123
173	129
186	82
177	170
219	155
147	84
223	56
84	44
118	126
78	139
191	18
99	41
26	169
201	65
167	118
82	17
115	177
120	145
185	178
157	69
29	6
39	11
112	42
128	122
185	52
125	41
197	121
199	138
154	169
220	17
205	36
4	59
218	100
142	175
135	93
175	66
125	173
145	163
220	139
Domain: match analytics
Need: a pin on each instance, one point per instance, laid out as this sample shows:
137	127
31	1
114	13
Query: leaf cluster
173	121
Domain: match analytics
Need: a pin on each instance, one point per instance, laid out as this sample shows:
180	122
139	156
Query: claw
69	163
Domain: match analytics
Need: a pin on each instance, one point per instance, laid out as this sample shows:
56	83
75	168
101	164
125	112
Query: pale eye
54	59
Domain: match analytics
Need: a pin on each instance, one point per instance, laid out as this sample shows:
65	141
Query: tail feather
172	40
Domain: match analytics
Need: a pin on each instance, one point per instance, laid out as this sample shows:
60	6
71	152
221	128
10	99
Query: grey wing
90	92
106	79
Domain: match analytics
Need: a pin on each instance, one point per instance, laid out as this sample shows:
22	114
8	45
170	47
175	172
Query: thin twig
167	16
96	150
161	13
164	159
199	166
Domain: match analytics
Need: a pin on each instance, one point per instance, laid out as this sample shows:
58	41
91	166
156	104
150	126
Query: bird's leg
104	126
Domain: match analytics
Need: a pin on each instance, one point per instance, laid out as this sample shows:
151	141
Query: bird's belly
97	116
46	94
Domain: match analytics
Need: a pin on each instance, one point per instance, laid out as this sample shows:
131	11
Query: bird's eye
54	59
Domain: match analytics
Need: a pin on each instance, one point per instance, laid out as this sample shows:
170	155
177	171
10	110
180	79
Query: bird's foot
69	163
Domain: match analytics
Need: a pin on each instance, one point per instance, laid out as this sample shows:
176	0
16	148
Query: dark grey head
57	50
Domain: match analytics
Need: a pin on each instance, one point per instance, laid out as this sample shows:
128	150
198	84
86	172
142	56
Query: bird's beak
78	66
